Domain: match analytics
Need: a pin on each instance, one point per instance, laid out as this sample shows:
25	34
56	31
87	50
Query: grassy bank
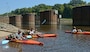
66	21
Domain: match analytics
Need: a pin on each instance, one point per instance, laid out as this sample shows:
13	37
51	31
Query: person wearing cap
74	30
32	31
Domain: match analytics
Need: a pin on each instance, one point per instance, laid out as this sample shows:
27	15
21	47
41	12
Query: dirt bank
6	29
3	34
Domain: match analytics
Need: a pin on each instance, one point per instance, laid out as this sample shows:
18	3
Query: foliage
67	11
77	2
59	7
41	7
89	3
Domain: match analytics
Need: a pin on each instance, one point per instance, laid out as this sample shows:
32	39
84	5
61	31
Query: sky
9	5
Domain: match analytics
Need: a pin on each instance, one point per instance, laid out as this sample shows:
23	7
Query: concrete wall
28	20
53	17
44	16
16	20
50	16
4	19
77	16
86	15
22	21
81	16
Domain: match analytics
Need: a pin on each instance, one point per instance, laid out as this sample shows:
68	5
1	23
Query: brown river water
64	42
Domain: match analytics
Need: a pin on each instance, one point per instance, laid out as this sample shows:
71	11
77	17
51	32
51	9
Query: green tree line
63	9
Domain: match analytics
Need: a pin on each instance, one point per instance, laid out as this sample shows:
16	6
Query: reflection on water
5	47
16	45
64	42
48	28
28	27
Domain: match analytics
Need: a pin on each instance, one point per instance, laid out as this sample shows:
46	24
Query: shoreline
66	21
7	29
3	34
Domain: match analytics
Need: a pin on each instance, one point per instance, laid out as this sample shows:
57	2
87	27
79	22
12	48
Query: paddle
28	36
5	41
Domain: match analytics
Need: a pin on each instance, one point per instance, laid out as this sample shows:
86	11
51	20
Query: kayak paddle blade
5	41
29	36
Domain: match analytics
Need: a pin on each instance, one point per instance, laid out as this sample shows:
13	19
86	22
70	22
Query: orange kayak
84	32
32	42
40	35
44	35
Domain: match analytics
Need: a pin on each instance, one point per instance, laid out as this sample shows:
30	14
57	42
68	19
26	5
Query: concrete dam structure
49	17
25	20
28	20
16	20
81	16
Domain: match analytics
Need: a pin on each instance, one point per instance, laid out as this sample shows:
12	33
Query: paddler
16	36
19	35
34	32
74	30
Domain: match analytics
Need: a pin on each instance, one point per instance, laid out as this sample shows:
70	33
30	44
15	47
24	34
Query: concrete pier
48	17
16	20
28	20
81	16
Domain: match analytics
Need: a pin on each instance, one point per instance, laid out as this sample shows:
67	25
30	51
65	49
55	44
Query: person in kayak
74	30
79	30
9	37
34	32
19	35
16	36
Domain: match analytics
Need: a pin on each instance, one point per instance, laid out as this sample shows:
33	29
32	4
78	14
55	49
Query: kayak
38	36
28	41
84	32
42	36
32	42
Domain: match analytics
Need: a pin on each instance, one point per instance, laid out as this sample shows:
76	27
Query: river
64	42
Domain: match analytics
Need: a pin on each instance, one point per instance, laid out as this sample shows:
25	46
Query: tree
89	3
77	2
22	11
59	7
67	11
41	7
